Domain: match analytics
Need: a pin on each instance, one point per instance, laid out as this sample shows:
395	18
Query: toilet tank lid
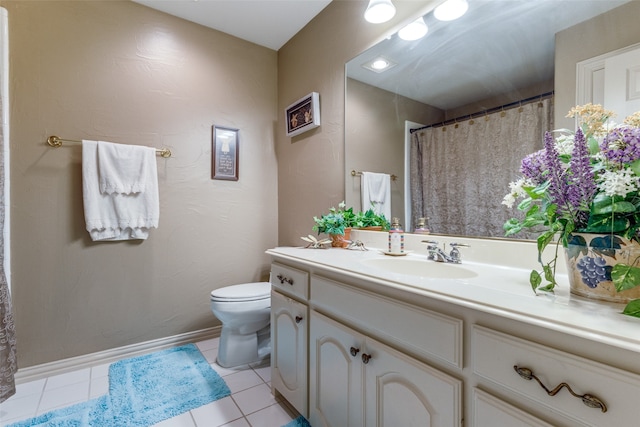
243	291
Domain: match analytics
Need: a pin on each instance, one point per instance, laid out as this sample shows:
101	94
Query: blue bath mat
143	391
298	422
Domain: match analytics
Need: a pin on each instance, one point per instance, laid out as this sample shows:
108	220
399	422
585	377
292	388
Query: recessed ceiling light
450	10
414	31
379	64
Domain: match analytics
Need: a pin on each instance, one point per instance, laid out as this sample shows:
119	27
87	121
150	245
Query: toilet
245	313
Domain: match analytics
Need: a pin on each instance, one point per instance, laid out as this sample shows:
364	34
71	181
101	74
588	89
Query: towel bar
358	173
55	141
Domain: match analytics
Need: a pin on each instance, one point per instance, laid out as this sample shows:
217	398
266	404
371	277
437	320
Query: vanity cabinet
289	335
357	381
388	351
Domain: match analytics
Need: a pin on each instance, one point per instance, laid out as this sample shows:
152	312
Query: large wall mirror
495	60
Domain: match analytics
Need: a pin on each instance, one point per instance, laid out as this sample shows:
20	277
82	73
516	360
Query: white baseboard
58	367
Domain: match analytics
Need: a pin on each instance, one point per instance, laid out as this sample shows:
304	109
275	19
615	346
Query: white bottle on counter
396	237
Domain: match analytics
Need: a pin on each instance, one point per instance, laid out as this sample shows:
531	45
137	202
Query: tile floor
251	403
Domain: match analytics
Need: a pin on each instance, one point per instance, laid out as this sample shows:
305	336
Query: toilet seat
244	292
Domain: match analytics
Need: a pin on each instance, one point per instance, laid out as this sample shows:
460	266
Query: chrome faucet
439	255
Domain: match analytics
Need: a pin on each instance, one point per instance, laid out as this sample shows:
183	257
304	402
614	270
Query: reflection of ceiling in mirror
498	46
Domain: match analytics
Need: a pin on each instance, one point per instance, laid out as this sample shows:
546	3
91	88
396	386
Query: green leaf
548	274
512	226
543	240
635	166
535	279
594	146
625	277
548	288
613	207
607	224
632	308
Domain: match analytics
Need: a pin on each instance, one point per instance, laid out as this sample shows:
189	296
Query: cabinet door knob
588	399
298	319
284	279
365	358
354	351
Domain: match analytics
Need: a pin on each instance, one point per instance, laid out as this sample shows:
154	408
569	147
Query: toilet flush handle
298	319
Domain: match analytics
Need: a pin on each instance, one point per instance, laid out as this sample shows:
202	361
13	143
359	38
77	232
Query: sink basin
421	268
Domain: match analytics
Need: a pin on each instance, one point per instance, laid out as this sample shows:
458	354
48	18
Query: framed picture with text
303	115
224	153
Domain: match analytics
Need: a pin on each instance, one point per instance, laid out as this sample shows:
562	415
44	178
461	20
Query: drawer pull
284	279
365	358
298	319
588	399
354	351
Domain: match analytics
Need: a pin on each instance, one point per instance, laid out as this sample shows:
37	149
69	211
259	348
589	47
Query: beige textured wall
311	165
375	134
121	72
613	30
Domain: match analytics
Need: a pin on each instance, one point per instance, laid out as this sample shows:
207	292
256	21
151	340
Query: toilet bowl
245	313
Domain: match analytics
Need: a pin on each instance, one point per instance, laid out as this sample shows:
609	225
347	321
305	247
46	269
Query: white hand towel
375	189
123	168
117	216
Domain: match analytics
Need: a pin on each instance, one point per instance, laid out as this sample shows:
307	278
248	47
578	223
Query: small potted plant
339	222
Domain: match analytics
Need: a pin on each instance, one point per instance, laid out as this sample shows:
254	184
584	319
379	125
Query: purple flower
621	145
555	175
533	167
581	186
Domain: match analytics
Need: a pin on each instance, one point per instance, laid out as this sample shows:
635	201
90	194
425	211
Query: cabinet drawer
290	280
495	354
407	327
491	411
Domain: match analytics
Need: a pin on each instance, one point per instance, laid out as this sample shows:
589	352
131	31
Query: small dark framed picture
224	153
303	115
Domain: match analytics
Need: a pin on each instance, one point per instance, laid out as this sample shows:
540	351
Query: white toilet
245	313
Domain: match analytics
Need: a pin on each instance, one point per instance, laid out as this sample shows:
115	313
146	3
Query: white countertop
497	289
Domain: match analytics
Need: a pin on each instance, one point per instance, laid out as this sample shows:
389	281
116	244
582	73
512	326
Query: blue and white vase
590	259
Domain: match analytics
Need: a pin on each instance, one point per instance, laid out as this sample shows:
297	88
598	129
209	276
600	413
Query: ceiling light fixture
450	10
379	64
379	11
414	31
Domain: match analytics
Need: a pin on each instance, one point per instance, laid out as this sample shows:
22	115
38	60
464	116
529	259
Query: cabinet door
401	391
289	353
335	374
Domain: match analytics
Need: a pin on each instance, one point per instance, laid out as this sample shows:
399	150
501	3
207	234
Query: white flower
517	190
508	200
564	144
618	183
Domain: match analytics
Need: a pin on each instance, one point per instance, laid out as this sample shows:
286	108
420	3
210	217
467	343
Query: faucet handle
455	252
459	245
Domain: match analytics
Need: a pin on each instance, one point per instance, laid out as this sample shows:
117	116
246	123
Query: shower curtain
459	173
8	363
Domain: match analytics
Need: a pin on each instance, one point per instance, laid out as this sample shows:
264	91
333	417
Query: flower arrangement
584	181
337	220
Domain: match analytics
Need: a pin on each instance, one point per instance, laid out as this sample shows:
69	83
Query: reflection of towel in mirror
118	216
375	189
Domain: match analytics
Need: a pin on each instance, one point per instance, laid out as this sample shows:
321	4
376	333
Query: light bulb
414	31
379	11
450	10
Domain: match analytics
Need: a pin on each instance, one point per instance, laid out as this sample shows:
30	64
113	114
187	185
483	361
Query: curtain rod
55	141
489	111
